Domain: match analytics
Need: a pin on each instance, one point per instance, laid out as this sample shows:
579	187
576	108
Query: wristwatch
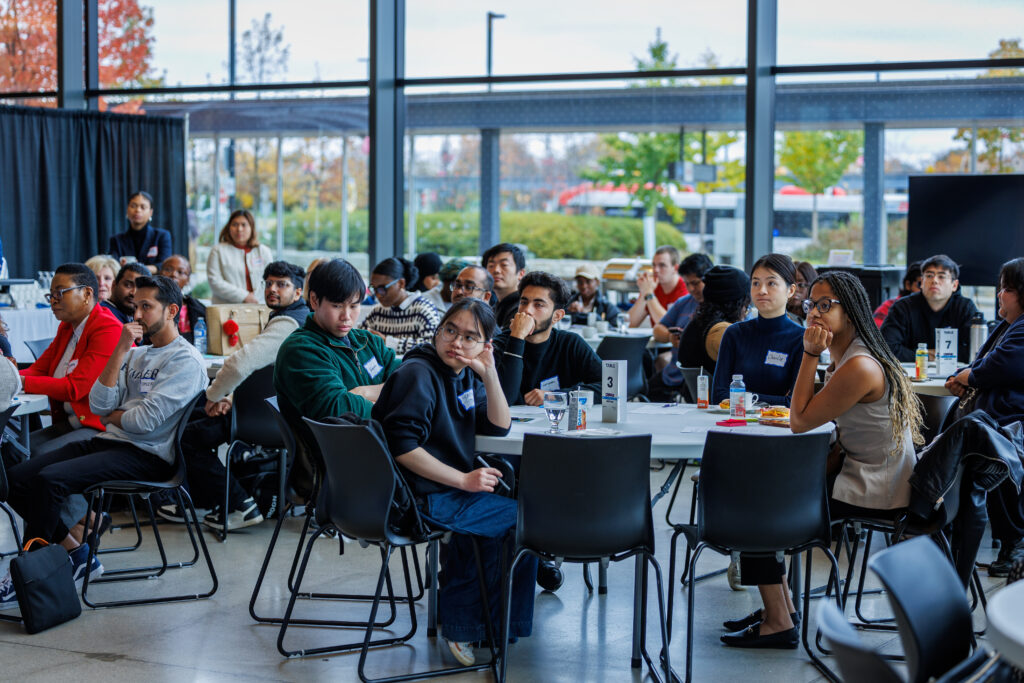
648	297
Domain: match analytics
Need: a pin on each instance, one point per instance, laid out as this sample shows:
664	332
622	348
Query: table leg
602	578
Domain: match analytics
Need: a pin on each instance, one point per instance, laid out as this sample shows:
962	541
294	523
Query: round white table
30	403
1006	622
28	324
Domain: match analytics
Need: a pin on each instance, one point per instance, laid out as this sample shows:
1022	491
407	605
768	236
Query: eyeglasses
59	294
824	305
450	334
278	284
381	290
802	285
466	286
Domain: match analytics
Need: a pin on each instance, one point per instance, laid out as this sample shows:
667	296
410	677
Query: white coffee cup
589	332
602	326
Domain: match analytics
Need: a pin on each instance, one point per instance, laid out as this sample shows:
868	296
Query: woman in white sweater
236	262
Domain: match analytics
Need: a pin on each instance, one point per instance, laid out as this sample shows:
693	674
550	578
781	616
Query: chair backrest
287	437
5	417
251	419
763	493
932	612
179	431
585	498
690	379
361	479
630	349
37	346
935	410
857	662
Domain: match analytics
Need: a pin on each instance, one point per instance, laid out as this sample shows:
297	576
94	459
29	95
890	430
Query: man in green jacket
328	367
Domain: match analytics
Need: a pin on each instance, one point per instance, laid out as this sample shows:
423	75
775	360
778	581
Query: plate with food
720	409
774	416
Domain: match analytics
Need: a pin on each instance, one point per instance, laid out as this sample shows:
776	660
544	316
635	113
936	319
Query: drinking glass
555	405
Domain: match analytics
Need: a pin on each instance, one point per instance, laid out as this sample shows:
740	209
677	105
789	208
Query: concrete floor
577	636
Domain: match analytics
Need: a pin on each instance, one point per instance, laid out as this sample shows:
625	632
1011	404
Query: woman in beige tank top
878	420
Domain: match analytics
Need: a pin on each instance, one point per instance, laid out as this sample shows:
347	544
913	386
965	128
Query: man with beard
211	421
139	397
122	295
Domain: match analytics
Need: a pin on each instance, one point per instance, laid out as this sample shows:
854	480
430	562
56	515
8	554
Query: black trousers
40	485
203	435
1006	513
762	571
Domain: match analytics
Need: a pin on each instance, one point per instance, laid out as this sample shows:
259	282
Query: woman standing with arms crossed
141	242
237	261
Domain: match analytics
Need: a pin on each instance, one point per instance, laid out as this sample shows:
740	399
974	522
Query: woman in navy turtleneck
767	349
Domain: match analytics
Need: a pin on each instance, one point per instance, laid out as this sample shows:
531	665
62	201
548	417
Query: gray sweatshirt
154	387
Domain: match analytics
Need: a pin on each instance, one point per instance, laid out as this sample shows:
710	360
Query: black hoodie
425	404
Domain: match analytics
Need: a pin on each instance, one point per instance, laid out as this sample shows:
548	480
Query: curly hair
709	314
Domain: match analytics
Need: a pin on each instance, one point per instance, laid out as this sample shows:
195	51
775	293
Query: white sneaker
8	598
247	515
462	651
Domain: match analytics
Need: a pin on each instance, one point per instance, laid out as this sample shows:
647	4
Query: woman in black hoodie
431	409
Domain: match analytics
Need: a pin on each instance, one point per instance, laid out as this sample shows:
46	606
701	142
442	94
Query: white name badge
372	367
72	365
467	399
549	384
776	358
146	385
152	252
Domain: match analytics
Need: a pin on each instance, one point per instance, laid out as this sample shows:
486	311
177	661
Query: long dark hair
398	268
709	314
479	309
225	232
905	408
780	264
1011	278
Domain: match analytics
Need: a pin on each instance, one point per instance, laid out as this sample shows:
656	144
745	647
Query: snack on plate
724	405
775	411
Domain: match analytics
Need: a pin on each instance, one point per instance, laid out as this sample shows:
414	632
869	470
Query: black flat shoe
549	576
753	618
751	637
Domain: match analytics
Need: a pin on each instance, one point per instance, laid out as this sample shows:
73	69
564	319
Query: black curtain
65	178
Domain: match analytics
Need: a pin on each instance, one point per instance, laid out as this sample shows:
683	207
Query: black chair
932	612
5	416
856	661
605	512
143	489
253	426
365	483
936	408
760	496
630	349
37	346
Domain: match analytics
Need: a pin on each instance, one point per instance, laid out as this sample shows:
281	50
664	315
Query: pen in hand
483	462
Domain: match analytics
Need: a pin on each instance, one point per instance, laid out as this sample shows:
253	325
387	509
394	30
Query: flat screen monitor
977	220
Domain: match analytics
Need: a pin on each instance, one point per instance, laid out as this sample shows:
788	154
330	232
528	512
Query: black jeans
40	485
199	443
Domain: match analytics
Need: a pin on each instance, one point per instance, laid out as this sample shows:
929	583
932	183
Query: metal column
70	54
761	37
490	177
387	127
875	228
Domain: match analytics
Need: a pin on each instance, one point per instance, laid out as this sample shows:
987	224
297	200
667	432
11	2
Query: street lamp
491	16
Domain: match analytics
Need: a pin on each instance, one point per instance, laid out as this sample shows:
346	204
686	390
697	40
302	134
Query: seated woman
805	275
236	262
765	350
401	318
726	298
878	419
431	408
106	269
994	383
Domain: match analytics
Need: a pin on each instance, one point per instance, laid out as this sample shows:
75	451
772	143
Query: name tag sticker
152	252
776	358
467	399
549	384
72	365
146	385
372	367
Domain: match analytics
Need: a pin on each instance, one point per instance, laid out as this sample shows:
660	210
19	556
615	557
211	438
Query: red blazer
99	337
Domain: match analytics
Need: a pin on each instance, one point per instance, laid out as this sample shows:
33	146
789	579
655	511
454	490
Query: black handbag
45	586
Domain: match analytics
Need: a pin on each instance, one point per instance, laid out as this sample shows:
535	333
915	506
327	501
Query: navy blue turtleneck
767	352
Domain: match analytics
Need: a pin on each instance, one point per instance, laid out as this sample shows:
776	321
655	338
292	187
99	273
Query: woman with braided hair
878	420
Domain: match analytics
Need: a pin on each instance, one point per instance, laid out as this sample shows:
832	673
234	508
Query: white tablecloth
28	324
1006	622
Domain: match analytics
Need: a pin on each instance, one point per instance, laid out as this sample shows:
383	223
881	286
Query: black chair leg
118	527
507	614
834	571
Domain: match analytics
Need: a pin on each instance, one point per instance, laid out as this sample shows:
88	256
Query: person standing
659	290
235	262
141	242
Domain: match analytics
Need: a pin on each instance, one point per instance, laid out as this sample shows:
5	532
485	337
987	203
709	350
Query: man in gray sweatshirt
140	396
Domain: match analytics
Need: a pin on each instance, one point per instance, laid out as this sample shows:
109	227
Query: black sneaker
170	513
549	576
246	515
1003	562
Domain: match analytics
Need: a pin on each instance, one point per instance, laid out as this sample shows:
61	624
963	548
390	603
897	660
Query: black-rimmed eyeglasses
824	305
59	294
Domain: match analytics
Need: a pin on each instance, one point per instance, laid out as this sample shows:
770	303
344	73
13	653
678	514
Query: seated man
657	291
68	368
140	396
179	269
122	295
913	319
533	356
328	367
472	281
911	284
589	299
507	264
210	425
450	271
667	379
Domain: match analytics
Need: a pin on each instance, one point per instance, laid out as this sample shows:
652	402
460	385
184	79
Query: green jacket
315	370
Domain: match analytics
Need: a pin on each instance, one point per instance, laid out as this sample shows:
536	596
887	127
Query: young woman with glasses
401	318
431	408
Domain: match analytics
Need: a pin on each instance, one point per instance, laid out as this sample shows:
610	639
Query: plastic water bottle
199	335
737	398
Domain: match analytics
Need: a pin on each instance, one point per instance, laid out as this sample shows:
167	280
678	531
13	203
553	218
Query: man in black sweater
534	357
913	319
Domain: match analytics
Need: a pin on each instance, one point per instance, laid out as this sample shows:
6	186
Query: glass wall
28	50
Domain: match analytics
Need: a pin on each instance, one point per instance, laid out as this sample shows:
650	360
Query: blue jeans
492	519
